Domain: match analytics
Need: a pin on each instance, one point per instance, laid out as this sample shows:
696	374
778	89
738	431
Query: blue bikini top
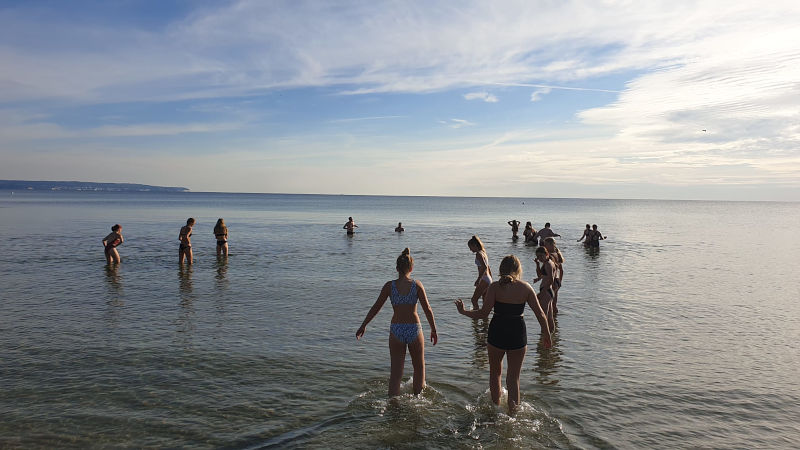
408	299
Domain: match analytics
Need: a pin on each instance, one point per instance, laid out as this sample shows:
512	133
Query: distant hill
20	185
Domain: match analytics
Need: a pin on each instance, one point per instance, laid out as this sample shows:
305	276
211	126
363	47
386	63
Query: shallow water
680	332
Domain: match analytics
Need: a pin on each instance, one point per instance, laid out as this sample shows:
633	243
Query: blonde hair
476	241
220	227
510	269
405	262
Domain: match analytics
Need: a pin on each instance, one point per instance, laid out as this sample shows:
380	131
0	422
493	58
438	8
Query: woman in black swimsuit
546	273
185	235
111	242
221	233
507	334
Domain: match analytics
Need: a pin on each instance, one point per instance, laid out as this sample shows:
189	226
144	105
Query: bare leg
219	250
397	353
225	249
108	256
189	255
514	358
181	255
495	371
480	289
417	351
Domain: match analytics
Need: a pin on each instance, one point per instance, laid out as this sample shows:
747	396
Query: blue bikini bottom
405	332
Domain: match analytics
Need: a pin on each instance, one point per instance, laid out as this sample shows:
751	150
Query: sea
681	331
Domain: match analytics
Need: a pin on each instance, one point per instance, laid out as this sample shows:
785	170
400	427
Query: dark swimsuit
183	245
507	329
222	242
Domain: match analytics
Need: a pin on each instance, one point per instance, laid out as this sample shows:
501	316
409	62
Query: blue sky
617	99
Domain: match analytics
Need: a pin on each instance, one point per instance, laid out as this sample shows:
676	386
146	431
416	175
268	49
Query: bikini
405	332
184	245
481	261
221	242
507	329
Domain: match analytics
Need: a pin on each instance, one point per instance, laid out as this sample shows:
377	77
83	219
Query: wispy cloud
485	96
539	93
359	119
457	123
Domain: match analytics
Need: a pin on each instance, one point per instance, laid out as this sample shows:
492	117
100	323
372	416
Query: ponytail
405	262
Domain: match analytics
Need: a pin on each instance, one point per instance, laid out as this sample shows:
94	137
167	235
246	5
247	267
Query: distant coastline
22	185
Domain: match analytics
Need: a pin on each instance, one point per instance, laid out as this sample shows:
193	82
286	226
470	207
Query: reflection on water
115	298
185	323
548	360
480	329
222	272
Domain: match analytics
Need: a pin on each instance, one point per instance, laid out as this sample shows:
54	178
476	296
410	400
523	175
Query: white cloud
457	123
539	93
485	96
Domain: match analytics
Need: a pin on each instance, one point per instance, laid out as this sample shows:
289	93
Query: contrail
547	86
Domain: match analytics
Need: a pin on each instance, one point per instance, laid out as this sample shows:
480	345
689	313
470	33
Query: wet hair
528	224
475	241
405	262
116	227
350	218
547	225
594	226
540	250
588	226
220	227
190	221
550	241
510	269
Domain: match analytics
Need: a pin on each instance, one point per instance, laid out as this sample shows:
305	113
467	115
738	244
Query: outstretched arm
533	302
374	310
488	304
426	308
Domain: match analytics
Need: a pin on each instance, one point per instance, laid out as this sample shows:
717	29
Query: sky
594	99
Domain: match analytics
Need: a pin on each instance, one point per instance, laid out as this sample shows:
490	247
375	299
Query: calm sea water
682	331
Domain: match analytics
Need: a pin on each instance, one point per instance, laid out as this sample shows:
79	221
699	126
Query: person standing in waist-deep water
545	271
221	233
529	233
405	330
350	226
507	335
514	228
596	237
484	271
558	261
587	234
399	228
545	233
111	242
185	238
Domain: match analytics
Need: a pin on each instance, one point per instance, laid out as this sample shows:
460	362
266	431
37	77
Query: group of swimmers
114	239
593	236
507	337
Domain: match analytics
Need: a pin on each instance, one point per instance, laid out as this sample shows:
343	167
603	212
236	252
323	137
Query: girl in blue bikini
405	330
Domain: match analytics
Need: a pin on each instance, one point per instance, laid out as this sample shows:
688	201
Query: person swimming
221	233
596	237
184	236
405	330
558	276
545	273
507	335
484	271
529	233
399	228
350	226
587	234
111	242
544	233
514	223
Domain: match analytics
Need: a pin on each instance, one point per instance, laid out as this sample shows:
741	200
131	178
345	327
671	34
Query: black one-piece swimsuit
507	329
